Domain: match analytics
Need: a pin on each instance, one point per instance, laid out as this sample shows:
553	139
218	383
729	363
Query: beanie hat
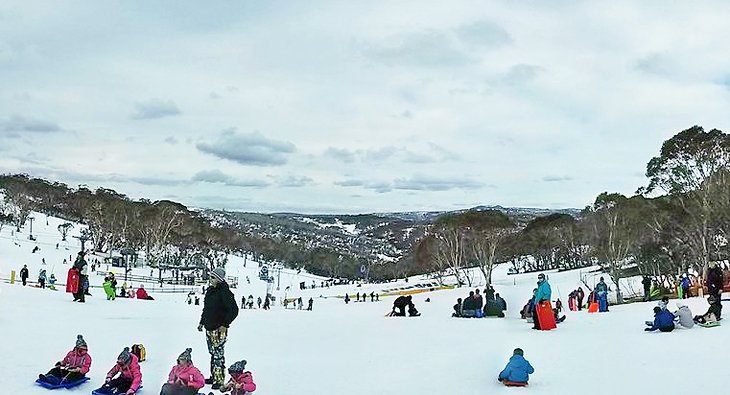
125	356
237	367
541	276
518	351
185	356
80	342
219	273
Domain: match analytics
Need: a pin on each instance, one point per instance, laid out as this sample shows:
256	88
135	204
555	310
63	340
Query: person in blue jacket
518	369
602	294
663	320
542	294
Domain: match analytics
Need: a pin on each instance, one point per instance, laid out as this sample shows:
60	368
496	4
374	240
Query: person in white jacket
683	316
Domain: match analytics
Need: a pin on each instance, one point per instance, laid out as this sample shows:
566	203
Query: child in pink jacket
184	378
73	367
130	376
241	382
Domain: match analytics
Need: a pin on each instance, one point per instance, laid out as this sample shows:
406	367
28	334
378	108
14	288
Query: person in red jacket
241	382
73	367
130	376
142	293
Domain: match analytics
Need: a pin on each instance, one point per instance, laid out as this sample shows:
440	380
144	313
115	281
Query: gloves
647	330
130	392
108	379
58	363
200	327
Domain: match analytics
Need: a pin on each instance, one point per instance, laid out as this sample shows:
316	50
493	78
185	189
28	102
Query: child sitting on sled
129	379
518	370
72	368
184	378
241	382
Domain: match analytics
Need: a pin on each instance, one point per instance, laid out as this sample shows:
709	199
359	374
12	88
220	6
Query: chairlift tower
83	238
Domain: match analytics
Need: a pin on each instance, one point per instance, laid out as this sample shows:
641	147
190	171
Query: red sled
546	316
571	305
72	281
513	384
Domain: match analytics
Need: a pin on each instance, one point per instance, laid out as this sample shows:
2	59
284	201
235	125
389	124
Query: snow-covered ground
350	349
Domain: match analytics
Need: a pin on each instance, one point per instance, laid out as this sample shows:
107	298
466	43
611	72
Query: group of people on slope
667	321
297	303
374	297
42	278
125	377
401	303
476	305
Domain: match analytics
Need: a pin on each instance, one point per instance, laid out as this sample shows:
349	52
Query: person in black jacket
714	280
400	304
646	282
24	274
219	311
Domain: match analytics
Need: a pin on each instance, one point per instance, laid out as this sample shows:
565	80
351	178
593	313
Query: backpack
139	351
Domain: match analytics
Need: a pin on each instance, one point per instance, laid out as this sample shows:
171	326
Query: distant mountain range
378	236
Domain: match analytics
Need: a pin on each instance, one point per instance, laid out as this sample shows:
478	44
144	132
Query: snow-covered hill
350	349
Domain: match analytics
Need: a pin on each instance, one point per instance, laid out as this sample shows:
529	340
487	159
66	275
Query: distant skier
24	274
347	299
73	367
249	302
372	296
310	303
42	278
258	302
184	377
130	376
300	303
243	302
358	296
518	370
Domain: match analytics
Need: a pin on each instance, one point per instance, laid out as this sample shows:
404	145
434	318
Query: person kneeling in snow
713	313
683	316
400	305
129	379
184	378
663	320
517	371
241	382
73	367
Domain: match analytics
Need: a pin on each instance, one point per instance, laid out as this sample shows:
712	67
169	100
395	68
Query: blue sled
99	393
68	384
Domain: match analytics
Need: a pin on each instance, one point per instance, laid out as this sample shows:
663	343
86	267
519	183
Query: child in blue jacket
517	371
663	320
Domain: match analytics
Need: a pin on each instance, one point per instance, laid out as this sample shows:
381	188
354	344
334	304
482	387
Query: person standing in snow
714	280
478	300
542	294
73	367
130	376
219	311
347	298
579	294
24	274
258	302
311	302
602	295
684	283
42	278
517	371
80	266
646	282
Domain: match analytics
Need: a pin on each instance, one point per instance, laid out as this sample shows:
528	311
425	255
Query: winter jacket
74	360
245	383
219	307
518	370
478	302
646	282
543	291
189	375
580	294
685	283
601	287
684	317
141	293
492	308
468	304
502	303
663	320
24	273
714	280
129	372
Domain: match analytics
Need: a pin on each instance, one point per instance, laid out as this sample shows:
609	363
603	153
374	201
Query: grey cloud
341	154
557	178
248	149
155	108
483	33
350	183
426	48
434	154
522	73
217	176
379	187
430	183
17	123
171	140
296	181
655	63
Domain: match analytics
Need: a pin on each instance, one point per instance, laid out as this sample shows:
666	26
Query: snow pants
117	386
216	340
603	302
63	374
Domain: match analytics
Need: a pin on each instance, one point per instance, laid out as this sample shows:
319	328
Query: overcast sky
356	106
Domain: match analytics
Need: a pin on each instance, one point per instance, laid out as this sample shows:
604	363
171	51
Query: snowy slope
353	349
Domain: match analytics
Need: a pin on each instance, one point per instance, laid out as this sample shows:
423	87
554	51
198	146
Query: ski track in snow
348	349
